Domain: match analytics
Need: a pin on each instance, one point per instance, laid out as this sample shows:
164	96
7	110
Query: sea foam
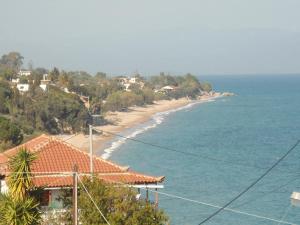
155	120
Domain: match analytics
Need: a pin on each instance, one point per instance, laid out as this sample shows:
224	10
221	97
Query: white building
167	88
24	73
44	87
15	81
23	87
132	80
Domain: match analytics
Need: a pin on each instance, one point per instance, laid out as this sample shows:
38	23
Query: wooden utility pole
156	199
91	149
75	189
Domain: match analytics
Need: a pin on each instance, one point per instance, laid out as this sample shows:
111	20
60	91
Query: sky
149	36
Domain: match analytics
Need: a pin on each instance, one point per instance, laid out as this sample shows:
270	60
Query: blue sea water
247	133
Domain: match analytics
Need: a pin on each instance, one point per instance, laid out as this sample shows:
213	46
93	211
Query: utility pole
75	201
91	149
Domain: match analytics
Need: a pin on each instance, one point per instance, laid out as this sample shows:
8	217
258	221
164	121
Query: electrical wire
208	204
226	209
93	200
187	153
252	184
285	213
181	152
264	194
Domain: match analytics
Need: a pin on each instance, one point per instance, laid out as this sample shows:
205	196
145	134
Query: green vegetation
17	207
10	134
72	97
118	204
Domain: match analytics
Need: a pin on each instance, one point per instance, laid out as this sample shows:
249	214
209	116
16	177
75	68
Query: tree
13	60
16	212
10	134
18	207
118	204
206	87
54	74
100	75
5	95
20	181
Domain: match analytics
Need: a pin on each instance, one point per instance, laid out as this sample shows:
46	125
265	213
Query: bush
10	134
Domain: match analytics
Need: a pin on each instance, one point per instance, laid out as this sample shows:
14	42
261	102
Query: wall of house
54	199
3	187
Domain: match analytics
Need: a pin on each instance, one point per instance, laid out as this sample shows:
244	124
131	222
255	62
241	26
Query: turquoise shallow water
253	128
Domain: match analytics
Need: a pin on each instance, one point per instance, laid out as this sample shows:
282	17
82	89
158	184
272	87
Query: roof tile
56	156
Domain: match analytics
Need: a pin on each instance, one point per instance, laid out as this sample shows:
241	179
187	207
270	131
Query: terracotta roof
33	145
130	178
55	156
52	181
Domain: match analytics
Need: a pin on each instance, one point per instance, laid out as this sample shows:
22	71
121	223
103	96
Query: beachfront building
167	89
52	170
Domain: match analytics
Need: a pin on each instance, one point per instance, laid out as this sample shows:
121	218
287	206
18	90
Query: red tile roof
56	156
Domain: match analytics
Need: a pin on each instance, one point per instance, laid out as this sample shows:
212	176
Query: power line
252	184
211	205
219	207
171	196
181	152
285	213
93	201
264	194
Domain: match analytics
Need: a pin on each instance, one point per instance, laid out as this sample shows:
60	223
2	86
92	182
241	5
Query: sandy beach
119	121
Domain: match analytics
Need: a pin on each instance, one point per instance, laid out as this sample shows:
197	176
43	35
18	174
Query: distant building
24	73
126	82
167	89
23	87
66	90
132	80
45	82
15	81
44	87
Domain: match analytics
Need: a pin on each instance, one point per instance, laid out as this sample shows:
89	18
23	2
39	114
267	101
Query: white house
44	87
15	81
23	87
24	73
167	88
132	80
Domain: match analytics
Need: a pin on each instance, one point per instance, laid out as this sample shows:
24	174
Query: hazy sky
177	36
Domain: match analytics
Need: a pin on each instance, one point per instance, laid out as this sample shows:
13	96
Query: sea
210	152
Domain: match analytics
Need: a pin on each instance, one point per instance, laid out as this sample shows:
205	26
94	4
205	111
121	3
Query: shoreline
121	121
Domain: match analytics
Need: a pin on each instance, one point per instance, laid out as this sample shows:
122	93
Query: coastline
120	121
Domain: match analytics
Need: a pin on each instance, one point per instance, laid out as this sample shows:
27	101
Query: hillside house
23	87
24	73
52	170
15	81
167	89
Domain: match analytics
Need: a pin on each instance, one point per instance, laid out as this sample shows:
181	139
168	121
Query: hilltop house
126	82
52	170
24	73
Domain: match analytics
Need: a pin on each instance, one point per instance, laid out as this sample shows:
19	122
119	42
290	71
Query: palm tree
17	207
19	181
17	212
